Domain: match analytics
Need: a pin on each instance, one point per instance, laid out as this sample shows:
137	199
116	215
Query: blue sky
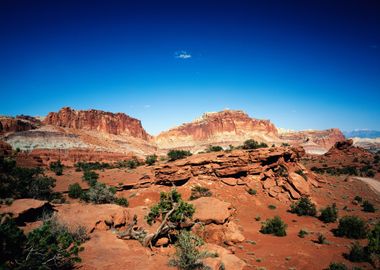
301	64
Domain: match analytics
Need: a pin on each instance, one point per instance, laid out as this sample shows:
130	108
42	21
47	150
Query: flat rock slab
211	210
26	210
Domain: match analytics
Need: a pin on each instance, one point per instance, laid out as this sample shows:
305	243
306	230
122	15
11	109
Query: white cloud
182	55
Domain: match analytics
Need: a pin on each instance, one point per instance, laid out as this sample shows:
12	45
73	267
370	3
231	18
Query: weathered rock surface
223	128
313	141
275	168
211	210
26	210
96	120
5	148
229	233
225	257
91	216
16	124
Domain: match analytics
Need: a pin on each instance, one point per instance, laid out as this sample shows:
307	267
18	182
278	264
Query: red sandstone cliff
317	141
225	127
96	120
16	124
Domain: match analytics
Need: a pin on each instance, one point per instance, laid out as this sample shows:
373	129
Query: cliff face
225	127
16	124
314	141
96	120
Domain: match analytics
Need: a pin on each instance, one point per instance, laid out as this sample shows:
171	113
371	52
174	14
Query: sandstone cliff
314	141
16	124
96	120
223	128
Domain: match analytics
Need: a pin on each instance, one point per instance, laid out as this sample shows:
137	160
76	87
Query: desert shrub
121	201
303	207
17	182
252	144
368	207
301	172
187	255
302	233
132	163
358	199
272	207
214	148
51	246
56	167
12	240
75	191
321	239
198	191
373	247
357	253
337	266
285	144
178	154
168	201
274	226
329	214
352	227
252	191
90	177
150	160
100	193
87	166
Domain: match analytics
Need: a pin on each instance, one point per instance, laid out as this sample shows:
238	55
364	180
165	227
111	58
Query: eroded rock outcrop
313	141
277	169
96	120
17	124
223	128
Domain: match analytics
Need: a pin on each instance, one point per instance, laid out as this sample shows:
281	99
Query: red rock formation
277	169
15	124
96	120
69	157
318	141
221	127
5	149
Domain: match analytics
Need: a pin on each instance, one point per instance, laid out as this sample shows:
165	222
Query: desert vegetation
178	154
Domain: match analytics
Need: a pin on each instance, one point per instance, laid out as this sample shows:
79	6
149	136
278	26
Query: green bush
51	246
56	167
272	207
187	255
90	177
252	144
168	201
17	182
274	226
352	227
75	191
150	160
178	154
329	214
132	163
302	233
198	191
121	201
303	207
337	266
87	166
373	247
321	239
357	253
214	148
358	199
100	193
12	240
368	207
302	173
252	191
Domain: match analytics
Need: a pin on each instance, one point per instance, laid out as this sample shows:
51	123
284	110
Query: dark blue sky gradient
302	64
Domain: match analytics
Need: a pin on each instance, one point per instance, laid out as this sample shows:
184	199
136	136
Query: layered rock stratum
95	132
